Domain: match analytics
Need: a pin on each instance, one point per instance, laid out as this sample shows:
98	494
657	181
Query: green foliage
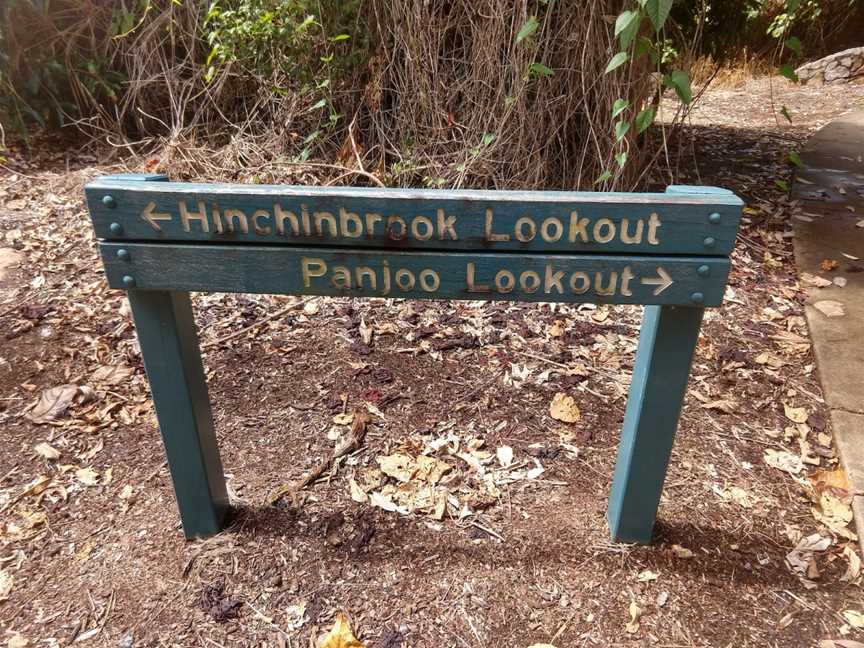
787	70
679	81
528	28
527	32
64	60
794	44
538	69
659	50
640	31
617	61
619	106
627	26
728	26
644	119
657	11
46	64
281	37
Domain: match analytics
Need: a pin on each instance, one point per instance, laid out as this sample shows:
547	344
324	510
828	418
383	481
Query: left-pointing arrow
153	217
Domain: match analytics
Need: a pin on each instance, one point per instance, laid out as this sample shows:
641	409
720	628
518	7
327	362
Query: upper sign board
700	221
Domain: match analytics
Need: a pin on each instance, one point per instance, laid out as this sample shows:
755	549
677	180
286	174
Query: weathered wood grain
666	345
423	275
686	220
169	346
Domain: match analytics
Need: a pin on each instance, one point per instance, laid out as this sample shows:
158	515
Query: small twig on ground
351	443
486	529
155	472
269	318
474	391
563	627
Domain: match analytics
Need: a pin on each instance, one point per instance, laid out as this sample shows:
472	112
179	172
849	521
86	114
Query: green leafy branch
639	32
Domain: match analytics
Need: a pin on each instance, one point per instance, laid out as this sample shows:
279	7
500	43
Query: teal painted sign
670	252
540	221
417	275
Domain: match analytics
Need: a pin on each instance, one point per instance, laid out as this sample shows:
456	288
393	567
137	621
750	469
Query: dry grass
732	73
447	77
434	80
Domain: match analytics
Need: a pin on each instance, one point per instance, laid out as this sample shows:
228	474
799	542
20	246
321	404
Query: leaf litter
754	358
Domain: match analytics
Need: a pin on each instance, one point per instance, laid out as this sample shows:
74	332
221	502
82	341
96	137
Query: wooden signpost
159	240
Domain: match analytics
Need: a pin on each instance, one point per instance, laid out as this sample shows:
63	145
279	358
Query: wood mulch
506	542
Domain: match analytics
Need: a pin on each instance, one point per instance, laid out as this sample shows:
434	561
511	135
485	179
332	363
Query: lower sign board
426	275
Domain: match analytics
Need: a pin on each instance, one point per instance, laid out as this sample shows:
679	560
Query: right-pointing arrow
662	281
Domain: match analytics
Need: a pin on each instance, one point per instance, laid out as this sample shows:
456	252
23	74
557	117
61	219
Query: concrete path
831	188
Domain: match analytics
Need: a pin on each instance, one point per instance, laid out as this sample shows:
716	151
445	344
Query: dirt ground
506	543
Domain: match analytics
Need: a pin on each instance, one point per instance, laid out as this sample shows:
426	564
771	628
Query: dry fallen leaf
635	612
110	375
647	575
854	618
357	493
727	406
340	635
47	451
741	497
37	486
785	461
853	571
815	280
53	403
830	308
835	512
505	456
344	419
399	466
795	414
799	559
87	476
822	479
366	332
563	408
772	360
681	552
17	641
296	615
6	583
385	502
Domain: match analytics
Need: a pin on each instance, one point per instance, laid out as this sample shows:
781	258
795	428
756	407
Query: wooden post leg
169	346
666	345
